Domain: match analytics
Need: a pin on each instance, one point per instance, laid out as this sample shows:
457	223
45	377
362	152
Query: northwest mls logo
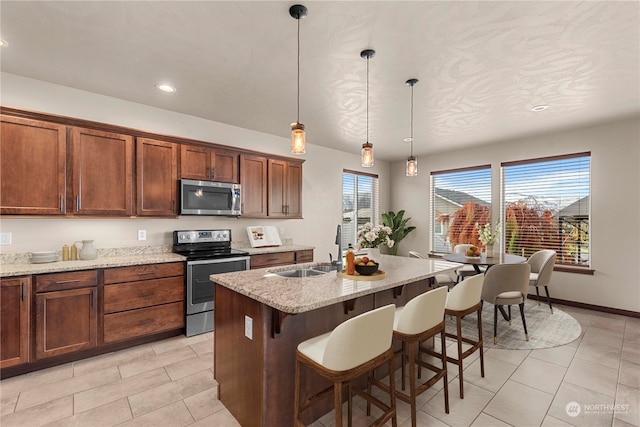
573	409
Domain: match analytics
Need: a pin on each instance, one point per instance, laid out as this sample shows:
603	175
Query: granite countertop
298	295
287	247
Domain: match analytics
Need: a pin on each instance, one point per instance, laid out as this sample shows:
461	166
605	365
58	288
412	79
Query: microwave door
199	200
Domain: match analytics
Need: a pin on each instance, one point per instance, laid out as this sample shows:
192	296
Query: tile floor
170	383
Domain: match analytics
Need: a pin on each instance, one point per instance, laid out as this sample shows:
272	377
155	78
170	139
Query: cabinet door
15	299
195	162
294	190
102	172
225	166
66	321
253	178
33	170
277	188
157	177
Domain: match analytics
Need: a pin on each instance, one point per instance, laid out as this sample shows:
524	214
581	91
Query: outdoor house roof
459	198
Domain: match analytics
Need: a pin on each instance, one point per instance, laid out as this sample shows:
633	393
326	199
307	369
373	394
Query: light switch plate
5	238
248	327
142	234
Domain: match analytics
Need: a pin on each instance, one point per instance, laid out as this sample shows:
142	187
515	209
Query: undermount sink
302	272
325	268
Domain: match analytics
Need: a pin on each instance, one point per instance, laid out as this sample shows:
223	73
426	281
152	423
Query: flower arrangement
370	236
486	235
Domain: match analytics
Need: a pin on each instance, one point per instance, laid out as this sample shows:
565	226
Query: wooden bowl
366	270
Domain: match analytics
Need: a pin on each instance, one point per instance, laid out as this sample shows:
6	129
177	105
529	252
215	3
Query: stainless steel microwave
209	198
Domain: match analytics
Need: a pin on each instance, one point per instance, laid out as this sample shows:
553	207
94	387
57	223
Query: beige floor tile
48	412
203	404
107	415
155	361
603	354
7	404
13	386
221	418
550	421
632	332
496	373
539	374
115	391
568	394
176	343
628	405
519	405
111	359
462	412
181	369
422	420
452	351
620	423
174	415
630	374
515	357
165	394
67	387
202	347
631	351
561	355
611	322
604	336
592	376
485	420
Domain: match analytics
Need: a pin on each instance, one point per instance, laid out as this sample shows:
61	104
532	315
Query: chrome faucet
337	263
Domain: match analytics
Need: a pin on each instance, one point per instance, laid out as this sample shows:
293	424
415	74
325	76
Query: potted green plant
398	225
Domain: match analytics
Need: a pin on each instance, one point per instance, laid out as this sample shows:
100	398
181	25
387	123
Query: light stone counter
18	264
298	295
287	247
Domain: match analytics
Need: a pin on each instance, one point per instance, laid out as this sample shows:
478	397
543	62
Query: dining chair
506	284
542	263
466	270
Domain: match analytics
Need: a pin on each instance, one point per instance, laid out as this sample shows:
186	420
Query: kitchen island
260	317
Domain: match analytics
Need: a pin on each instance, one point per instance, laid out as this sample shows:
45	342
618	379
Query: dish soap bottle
351	267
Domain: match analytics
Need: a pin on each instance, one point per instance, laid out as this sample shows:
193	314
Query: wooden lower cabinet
15	299
66	321
281	258
143	321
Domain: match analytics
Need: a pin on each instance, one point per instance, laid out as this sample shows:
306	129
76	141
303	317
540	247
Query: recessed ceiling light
540	108
408	139
166	88
3	43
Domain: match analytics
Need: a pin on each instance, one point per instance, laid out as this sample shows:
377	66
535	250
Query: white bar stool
353	348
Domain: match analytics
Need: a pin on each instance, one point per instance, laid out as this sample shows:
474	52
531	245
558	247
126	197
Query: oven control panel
203	236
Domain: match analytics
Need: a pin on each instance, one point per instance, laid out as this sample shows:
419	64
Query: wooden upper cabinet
208	164
253	179
102	173
285	186
33	169
156	177
15	298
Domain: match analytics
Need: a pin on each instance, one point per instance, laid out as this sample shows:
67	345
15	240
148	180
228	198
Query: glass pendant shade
297	138
412	166
367	154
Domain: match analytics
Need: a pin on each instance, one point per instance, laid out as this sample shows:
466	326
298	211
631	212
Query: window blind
360	203
460	198
546	205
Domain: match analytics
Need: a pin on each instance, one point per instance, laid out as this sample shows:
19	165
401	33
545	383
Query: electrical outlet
142	234
5	238
248	327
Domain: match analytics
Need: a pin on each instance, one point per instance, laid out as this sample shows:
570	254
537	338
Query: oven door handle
219	260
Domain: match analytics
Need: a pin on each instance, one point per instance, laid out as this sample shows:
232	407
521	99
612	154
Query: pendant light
412	161
298	138
367	147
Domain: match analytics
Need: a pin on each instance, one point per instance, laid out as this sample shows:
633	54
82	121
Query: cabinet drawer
143	272
144	321
304	256
64	281
132	295
270	260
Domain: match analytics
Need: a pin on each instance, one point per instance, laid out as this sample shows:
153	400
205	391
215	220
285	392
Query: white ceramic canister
87	251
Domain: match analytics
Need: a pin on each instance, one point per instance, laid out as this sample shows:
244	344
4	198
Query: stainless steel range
208	252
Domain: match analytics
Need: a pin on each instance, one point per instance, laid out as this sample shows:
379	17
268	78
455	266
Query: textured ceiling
481	65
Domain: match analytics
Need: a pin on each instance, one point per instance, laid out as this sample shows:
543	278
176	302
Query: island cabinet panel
143	300
33	170
253	178
304	256
102	173
15	299
156	177
272	259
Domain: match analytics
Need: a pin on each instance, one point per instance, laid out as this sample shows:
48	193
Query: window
459	199
359	203
545	205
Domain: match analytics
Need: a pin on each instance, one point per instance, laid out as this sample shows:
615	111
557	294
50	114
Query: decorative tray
378	275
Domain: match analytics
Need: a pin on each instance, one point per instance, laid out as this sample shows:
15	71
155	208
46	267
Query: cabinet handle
208	172
61	204
22	291
146	272
213	172
62	282
77	202
91	299
174	206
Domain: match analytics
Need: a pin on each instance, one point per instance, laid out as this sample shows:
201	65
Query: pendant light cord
368	99
411	120
298	119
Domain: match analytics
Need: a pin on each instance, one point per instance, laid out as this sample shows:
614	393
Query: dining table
483	260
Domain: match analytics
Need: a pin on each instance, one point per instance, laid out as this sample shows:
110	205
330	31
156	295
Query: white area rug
545	329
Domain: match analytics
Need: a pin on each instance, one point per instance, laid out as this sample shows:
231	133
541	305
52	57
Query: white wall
615	204
322	175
